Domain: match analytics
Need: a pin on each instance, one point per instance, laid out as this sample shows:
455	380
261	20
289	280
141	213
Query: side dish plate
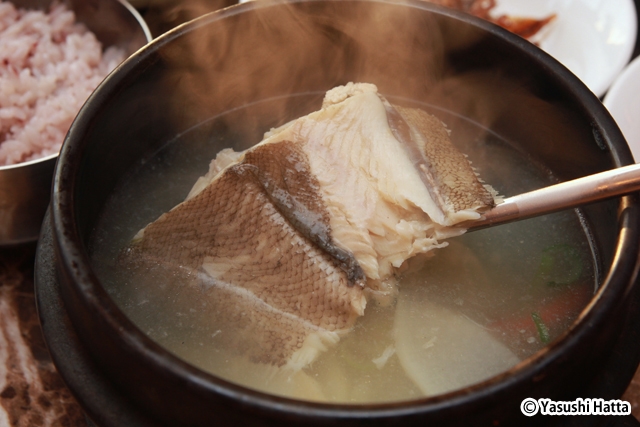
594	39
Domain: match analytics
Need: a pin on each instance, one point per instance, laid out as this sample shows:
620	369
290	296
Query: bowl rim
44	159
72	254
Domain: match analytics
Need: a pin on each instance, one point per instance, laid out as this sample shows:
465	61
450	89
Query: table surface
31	391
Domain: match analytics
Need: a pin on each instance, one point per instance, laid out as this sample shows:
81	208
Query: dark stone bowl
267	50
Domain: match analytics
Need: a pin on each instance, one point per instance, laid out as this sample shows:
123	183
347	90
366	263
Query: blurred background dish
163	15
25	178
623	102
594	39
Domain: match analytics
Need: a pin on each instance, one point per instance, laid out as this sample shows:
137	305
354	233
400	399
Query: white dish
592	38
623	102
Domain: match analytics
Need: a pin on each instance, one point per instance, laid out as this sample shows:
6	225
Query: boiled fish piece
289	238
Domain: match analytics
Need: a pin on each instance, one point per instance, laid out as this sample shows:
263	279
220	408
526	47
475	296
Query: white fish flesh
289	238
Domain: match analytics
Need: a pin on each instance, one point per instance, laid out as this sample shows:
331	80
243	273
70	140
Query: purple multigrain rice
49	65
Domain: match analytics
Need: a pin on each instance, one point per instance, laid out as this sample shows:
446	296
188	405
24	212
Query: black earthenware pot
260	50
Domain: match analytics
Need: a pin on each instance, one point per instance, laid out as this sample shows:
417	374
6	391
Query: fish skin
271	287
289	238
459	187
283	172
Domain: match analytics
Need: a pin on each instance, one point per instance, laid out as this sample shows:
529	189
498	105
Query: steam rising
281	49
269	49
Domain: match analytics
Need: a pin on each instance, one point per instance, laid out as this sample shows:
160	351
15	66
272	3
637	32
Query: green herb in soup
543	331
